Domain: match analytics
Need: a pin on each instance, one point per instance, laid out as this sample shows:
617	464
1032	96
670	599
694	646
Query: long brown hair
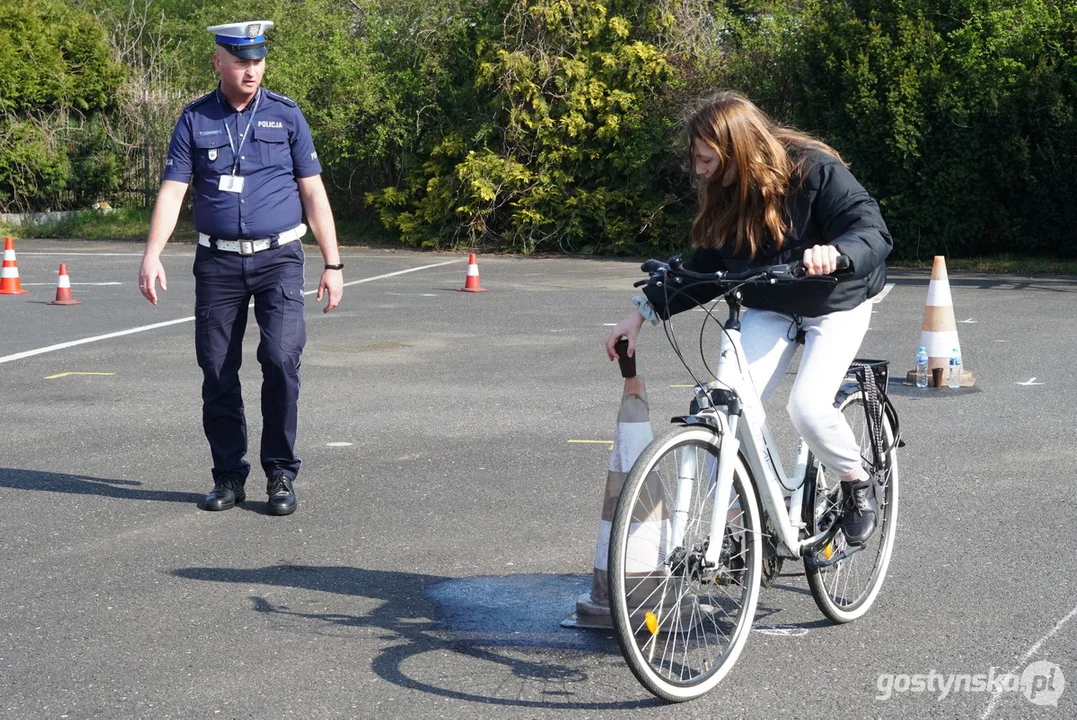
752	210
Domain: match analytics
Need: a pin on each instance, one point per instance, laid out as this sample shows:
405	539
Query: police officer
251	159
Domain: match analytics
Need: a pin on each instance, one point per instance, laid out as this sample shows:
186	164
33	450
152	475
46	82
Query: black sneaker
281	495
860	511
224	496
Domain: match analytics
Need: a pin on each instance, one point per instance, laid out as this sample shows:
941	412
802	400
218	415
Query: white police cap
245	40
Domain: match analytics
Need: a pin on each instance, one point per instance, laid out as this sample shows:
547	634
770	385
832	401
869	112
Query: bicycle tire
681	625
847	589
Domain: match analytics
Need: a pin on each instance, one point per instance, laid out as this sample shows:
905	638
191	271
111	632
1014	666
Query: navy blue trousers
224	285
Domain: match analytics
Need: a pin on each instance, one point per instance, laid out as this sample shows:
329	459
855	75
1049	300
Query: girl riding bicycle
767	195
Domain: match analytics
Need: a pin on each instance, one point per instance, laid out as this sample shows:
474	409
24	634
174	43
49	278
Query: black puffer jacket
828	208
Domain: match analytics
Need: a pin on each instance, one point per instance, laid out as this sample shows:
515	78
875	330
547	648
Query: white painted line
83	341
1032	651
1031	381
970	321
885	291
72	284
338	444
393	274
781	630
44	253
144	328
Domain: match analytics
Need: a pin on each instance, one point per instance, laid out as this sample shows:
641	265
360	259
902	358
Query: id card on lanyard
234	183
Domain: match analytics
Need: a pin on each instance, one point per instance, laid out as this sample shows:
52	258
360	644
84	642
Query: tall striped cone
939	330
9	276
632	435
471	283
63	289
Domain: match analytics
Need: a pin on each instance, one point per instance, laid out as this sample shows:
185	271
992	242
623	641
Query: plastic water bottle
921	367
955	369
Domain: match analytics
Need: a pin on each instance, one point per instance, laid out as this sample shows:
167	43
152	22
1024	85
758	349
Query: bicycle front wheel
844	590
681	622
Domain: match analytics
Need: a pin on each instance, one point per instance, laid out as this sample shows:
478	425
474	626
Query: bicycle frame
743	428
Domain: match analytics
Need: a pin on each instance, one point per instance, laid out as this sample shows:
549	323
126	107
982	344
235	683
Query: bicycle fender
697	420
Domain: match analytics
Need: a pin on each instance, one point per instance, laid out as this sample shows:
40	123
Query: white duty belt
250	247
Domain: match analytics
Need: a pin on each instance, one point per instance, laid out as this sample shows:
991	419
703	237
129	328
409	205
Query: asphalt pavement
455	448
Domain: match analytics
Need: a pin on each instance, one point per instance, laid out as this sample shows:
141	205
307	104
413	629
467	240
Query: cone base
20	291
467	289
64	302
589	615
967	380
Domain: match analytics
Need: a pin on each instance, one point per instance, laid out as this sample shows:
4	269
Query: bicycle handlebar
768	273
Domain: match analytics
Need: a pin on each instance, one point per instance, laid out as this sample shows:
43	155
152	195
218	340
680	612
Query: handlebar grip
650	266
843	263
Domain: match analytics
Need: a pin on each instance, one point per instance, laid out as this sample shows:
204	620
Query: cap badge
252	30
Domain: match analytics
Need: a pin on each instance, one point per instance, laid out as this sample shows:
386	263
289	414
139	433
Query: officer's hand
148	274
333	282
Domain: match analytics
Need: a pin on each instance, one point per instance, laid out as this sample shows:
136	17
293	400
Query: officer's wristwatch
339	266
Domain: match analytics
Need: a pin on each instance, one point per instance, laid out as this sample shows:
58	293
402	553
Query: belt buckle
246	247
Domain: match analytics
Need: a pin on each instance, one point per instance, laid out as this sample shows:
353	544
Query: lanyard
243	137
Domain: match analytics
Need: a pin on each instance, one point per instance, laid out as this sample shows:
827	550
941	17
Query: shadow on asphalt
84	485
495	640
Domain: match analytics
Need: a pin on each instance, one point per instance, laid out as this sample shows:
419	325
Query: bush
566	145
959	119
57	80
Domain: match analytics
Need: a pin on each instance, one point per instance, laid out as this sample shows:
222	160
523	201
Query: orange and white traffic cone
633	433
938	333
471	284
63	289
9	276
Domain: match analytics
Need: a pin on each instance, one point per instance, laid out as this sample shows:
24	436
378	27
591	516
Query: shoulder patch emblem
283	98
200	100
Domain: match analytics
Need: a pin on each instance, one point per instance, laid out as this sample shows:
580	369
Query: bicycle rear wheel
846	589
681	624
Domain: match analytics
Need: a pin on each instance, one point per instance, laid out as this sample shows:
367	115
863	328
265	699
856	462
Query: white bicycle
708	513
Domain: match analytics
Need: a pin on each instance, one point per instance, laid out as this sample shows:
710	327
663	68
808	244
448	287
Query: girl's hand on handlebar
821	260
627	328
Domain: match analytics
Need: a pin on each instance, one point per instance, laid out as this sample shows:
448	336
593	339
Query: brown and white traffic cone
471	282
633	433
938	332
63	289
9	276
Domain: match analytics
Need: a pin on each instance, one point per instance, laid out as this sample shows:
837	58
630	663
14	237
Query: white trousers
831	343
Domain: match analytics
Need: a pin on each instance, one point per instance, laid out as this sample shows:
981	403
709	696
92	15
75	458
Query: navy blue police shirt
276	150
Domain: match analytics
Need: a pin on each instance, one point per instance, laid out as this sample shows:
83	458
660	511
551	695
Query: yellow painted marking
65	374
682	386
652	622
599	442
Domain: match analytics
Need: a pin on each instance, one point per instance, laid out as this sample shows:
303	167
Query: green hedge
58	83
959	115
553	125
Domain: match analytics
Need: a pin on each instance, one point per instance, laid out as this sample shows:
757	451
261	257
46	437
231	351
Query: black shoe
281	494
224	496
860	511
